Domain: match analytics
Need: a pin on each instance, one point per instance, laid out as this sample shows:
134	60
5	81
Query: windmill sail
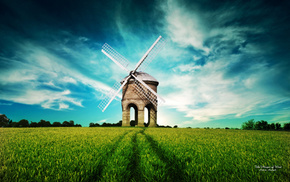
111	95
141	87
115	56
144	93
152	54
148	91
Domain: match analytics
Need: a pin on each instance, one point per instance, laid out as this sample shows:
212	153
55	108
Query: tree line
6	122
264	125
132	124
106	124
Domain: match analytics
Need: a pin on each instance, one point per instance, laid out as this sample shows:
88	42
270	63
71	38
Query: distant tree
14	124
175	126
65	124
287	126
4	121
278	126
94	125
249	125
132	123
106	124
71	123
23	123
33	124
43	123
261	125
227	128
56	124
78	125
271	126
119	123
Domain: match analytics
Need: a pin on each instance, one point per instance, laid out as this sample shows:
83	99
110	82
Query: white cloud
184	27
46	98
205	92
63	106
44	68
69	80
208	95
102	121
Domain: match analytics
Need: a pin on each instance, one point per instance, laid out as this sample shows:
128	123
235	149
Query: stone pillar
153	118
140	118
126	118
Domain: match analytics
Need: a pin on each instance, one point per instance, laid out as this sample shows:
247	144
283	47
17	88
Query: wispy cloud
46	77
235	76
184	27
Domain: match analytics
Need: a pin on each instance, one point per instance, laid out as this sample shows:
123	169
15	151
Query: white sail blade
111	95
146	54
152	54
115	57
160	99
144	93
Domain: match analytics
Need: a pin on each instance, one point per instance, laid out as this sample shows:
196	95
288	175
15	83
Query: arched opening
149	114
133	114
146	116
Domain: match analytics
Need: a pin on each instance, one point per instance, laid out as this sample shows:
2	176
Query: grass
136	154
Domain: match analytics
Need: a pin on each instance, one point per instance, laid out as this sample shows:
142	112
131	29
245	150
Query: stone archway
152	115
135	110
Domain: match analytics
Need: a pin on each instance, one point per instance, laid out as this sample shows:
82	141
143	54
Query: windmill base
139	119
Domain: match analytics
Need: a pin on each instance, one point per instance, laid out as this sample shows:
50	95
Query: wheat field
143	154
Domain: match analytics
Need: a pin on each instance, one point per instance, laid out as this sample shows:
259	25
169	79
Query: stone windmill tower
139	88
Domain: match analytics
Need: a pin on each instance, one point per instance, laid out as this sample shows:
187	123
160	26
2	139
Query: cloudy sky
224	62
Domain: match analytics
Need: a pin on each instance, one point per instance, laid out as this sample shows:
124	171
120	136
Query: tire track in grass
135	159
96	176
122	165
174	166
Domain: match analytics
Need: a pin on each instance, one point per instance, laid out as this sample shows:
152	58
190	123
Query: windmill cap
145	77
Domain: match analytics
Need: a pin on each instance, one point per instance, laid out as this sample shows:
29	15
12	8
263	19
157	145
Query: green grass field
137	154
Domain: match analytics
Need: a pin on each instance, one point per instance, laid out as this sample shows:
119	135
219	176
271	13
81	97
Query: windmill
139	88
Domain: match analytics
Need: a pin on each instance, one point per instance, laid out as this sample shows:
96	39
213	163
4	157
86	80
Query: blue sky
225	62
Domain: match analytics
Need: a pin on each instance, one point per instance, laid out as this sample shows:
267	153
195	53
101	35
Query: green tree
119	123
4	121
56	124
33	124
71	123
261	125
43	123
278	126
65	124
132	123
272	126
14	124
287	126
249	125
23	123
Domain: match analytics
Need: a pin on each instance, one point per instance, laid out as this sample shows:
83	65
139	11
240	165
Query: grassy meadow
139	154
